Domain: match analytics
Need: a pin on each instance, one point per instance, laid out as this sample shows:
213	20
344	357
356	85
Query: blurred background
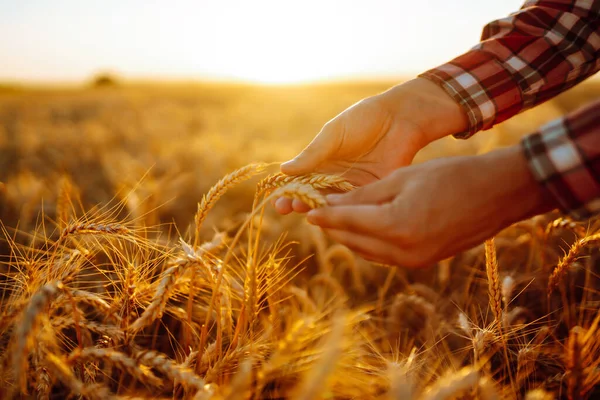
151	102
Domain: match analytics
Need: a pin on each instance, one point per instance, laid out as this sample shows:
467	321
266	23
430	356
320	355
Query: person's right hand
377	135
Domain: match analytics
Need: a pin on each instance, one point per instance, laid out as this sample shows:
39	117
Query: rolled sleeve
564	157
484	89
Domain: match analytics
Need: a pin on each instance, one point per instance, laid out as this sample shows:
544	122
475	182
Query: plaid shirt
523	60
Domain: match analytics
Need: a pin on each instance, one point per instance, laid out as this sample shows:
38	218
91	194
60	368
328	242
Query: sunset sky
258	41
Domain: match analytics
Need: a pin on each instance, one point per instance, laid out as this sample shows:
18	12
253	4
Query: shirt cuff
564	157
483	87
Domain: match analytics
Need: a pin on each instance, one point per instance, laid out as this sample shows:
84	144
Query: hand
377	135
427	212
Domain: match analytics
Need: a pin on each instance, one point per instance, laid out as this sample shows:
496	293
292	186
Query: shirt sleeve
523	60
564	157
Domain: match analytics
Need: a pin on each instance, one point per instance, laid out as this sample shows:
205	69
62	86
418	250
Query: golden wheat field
141	259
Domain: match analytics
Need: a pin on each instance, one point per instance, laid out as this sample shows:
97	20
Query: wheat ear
493	278
539	394
219	189
169	278
315	380
62	371
573	364
452	385
163	292
93	229
560	270
168	367
63	202
31	316
119	360
316	181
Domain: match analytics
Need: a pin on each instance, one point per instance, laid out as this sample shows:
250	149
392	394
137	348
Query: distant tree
105	80
8	87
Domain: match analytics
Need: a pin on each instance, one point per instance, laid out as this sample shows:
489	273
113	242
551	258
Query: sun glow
263	41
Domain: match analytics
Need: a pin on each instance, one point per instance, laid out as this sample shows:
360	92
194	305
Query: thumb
318	151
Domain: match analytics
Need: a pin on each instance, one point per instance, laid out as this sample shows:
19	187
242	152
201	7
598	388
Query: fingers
368	218
318	151
300	207
378	192
283	205
369	248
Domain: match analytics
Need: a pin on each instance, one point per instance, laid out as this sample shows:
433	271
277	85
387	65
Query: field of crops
138	261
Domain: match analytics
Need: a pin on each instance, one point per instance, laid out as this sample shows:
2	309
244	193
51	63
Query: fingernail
334	198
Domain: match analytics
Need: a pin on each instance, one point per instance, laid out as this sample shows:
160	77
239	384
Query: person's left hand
426	212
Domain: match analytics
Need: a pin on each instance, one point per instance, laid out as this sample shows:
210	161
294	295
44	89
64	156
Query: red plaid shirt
523	60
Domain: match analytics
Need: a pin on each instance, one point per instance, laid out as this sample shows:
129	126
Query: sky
254	40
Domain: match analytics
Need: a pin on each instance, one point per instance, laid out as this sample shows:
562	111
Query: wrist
433	110
519	196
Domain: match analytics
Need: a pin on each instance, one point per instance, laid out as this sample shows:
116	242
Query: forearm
523	60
